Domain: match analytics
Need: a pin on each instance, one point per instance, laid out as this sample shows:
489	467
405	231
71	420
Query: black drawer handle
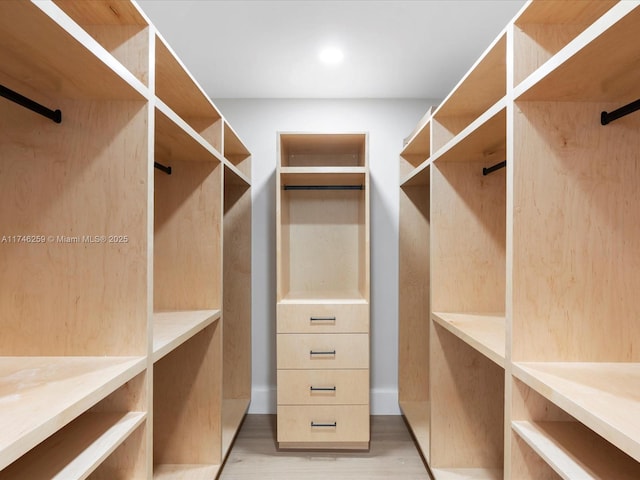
323	319
328	425
321	352
322	389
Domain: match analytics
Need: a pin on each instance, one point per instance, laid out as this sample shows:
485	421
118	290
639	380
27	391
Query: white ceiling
269	48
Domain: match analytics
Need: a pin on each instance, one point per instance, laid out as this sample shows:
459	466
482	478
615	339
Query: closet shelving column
467	349
414	276
190	207
73	304
124	261
236	385
323	291
576	250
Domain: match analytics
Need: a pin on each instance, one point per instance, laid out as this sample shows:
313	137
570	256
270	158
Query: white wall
388	122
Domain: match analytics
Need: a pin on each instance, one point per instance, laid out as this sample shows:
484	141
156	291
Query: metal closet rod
497	166
324	187
159	166
608	117
55	115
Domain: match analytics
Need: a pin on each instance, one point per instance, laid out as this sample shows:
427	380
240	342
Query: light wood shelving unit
525	276
322	231
117	279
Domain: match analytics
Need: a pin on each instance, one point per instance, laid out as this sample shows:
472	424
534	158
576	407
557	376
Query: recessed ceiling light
331	55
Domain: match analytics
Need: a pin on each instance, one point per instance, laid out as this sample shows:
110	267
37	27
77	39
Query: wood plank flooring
393	455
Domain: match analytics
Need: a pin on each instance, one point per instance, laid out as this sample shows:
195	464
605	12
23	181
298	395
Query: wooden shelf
484	140
608	43
322	175
603	396
417	415
418	146
42	44
485	333
233	176
235	151
467	473
77	449
175	139
172	329
420	176
422	125
185	472
233	412
574	451
41	394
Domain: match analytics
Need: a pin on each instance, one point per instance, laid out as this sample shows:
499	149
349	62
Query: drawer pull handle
328	425
322	389
328	352
323	319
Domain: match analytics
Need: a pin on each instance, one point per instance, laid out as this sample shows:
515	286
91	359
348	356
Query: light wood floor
393	455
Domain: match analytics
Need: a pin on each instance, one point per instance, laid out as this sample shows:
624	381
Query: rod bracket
497	166
163	168
607	117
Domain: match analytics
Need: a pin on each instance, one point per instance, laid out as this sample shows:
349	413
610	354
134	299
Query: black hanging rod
55	115
324	187
497	166
159	166
608	117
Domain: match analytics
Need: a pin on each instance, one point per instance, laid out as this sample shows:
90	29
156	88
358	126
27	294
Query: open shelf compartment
236	346
481	87
608	43
542	29
323	150
187	405
187	230
119	27
603	396
468	220
57	58
326	258
549	443
485	333
236	152
179	90
467	409
172	329
417	149
413	309
42	394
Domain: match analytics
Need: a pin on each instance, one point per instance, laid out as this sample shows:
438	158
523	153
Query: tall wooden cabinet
124	292
518	321
323	290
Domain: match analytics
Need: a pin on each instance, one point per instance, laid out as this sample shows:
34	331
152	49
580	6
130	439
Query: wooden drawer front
351	423
323	387
323	318
320	351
